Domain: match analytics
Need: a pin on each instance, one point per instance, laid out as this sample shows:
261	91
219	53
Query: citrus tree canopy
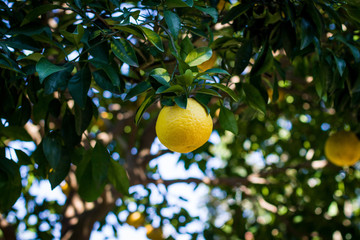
82	83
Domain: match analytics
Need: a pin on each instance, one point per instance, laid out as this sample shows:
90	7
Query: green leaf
83	116
89	190
10	183
68	130
236	12
52	149
254	98
153	37
227	120
124	51
204	100
15	133
58	80
150	99
340	64
355	52
74	37
46	68
174	88
242	57
173	22
137	90
353	11
264	62
58	174
79	86
161	75
118	177
210	11
181	101
110	71
37	12
179	3
212	71
22	42
23	158
225	89
198	56
306	33
208	92
104	82
100	161
185	79
186	47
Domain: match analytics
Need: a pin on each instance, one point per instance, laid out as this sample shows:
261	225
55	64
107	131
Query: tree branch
8	230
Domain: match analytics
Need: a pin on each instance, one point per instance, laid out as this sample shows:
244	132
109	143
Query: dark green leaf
307	33
225	89
204	100
254	98
174	88
100	160
210	11
22	42
243	56
173	22
104	82
198	55
208	92
212	71
124	51
58	80
10	183
186	47
23	158
185	79
46	68
236	12
79	86
150	99
264	62
110	71
42	9
83	116
89	190
153	37
52	150
118	177
58	174
355	52
137	90
15	133
227	120
179	3
161	75
181	101
340	64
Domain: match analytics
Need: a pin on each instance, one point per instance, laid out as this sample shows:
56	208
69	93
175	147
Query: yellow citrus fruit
281	92
65	188
221	4
208	64
184	130
135	219
154	233
343	148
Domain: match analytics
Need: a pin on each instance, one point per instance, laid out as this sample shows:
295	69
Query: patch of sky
284	123
107	94
256	160
325	126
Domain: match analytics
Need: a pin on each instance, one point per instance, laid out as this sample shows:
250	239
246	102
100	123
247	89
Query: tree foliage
84	80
